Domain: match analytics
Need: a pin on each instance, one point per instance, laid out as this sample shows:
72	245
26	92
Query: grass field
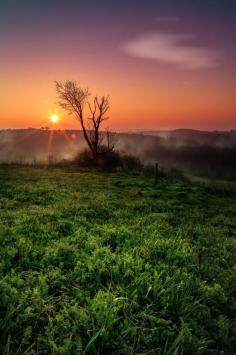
98	263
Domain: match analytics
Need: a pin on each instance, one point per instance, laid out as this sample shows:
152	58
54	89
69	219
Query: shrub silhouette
106	160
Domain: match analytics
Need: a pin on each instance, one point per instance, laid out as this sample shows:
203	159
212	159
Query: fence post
156	172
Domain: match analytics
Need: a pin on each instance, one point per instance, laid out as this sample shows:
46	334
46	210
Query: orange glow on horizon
173	101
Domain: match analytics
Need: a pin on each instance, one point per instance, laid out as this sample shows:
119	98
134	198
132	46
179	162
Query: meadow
111	263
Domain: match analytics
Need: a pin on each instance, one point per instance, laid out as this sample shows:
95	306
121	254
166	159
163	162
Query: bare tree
75	99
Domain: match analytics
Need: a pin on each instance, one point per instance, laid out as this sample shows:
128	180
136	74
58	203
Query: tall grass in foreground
96	263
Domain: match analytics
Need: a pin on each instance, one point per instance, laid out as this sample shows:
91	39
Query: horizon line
131	130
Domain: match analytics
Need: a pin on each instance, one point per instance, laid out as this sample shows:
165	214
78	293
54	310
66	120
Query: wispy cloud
174	49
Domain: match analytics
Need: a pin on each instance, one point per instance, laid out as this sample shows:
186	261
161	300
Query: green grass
95	263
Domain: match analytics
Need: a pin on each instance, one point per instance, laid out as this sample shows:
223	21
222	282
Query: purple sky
165	64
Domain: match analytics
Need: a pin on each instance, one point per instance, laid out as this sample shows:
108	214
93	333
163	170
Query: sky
165	64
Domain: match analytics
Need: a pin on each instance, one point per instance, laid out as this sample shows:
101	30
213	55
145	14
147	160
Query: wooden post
156	172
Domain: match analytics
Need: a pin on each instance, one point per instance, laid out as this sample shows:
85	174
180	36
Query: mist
210	154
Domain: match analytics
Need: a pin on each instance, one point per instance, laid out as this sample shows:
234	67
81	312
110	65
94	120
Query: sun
54	118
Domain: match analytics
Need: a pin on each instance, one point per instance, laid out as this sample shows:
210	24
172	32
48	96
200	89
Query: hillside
196	137
101	263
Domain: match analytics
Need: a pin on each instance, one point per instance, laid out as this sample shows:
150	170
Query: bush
129	162
106	160
110	161
84	159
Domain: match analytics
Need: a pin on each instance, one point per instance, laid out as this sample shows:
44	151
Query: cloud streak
173	49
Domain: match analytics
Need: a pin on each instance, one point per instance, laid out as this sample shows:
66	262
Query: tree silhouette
90	113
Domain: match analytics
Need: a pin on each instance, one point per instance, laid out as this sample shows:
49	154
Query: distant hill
194	137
